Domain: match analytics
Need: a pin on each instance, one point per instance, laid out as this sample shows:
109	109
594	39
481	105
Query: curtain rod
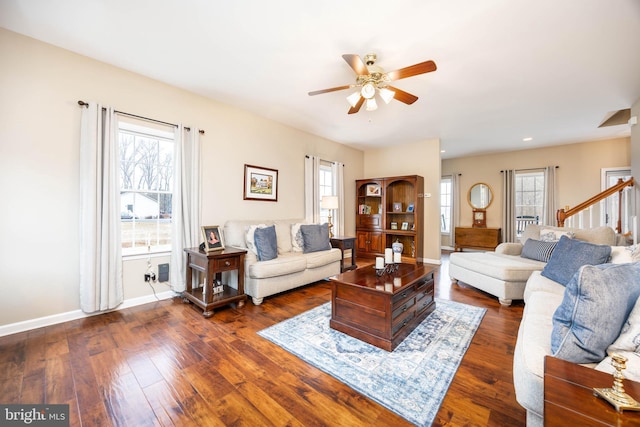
529	169
84	104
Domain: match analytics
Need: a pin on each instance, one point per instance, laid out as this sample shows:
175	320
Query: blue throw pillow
571	254
538	250
315	237
266	243
596	304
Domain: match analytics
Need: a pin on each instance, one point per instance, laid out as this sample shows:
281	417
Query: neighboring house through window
146	181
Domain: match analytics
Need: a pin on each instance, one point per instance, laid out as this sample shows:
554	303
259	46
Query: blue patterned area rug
410	381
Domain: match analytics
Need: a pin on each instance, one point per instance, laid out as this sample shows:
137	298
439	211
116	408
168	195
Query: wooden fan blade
403	96
357	64
333	89
355	109
413	70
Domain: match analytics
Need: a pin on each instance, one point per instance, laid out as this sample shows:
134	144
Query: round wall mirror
480	196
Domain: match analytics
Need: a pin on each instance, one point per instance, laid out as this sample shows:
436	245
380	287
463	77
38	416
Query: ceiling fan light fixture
371	104
368	91
386	94
353	98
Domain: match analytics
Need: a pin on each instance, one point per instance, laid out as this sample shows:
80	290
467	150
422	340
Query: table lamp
330	203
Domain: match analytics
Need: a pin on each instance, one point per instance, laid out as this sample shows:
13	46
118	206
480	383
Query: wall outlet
148	277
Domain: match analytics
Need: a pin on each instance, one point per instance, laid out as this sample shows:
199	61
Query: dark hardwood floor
164	364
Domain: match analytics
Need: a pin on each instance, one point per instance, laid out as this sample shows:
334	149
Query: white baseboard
54	319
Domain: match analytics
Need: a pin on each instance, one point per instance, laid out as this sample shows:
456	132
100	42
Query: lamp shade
329	202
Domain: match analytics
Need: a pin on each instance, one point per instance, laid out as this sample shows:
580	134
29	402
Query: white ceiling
507	69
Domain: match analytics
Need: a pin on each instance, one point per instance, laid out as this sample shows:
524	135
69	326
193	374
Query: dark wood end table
569	398
211	265
345	243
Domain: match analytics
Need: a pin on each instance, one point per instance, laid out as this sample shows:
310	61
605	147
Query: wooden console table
569	398
477	238
211	265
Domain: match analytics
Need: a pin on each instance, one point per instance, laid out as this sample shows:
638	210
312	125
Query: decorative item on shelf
330	203
410	207
373	190
616	395
394	225
397	246
405	226
397	207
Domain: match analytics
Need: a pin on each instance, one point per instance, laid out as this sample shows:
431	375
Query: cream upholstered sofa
291	268
602	294
504	272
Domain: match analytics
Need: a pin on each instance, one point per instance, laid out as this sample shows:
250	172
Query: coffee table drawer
408	305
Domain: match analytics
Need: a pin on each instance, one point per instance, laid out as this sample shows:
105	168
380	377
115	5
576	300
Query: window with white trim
146	186
446	201
326	187
529	199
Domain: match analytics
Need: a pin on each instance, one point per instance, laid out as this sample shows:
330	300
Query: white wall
39	153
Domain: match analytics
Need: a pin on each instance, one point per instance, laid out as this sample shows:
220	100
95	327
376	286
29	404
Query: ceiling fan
372	79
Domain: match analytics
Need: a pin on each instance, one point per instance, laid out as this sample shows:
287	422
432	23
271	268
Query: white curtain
456	200
338	190
100	244
311	189
508	205
186	202
550	196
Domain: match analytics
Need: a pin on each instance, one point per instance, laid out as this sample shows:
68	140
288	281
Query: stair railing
562	214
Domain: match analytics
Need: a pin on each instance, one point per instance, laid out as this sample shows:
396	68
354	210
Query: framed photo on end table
212	238
260	183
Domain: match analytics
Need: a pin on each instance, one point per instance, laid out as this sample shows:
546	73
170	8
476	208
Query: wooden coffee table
569	398
382	311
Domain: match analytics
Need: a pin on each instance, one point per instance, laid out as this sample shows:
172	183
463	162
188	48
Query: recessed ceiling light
527	139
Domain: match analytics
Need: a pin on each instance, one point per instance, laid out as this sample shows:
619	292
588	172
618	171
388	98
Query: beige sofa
291	269
542	297
503	272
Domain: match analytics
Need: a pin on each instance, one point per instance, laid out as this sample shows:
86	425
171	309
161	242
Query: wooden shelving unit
376	217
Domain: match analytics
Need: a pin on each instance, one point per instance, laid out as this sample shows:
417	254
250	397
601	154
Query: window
445	204
146	185
529	199
326	188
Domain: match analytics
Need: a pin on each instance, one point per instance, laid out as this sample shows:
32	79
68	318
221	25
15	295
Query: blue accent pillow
597	302
315	237
571	254
538	250
266	243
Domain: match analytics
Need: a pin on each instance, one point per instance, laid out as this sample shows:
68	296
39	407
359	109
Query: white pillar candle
379	263
397	257
388	255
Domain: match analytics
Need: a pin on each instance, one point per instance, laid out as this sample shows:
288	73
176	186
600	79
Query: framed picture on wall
212	238
260	183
